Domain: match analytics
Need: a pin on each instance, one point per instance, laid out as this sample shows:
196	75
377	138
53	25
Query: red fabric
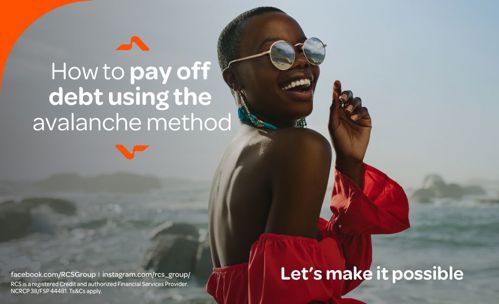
381	207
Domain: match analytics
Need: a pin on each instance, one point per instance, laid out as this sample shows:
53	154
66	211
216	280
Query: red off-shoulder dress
380	207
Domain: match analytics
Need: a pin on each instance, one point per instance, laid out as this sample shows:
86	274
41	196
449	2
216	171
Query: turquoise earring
301	123
245	116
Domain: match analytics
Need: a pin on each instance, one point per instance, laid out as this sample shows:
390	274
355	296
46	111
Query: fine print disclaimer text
91	283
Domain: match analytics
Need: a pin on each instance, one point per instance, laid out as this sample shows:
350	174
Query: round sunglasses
283	54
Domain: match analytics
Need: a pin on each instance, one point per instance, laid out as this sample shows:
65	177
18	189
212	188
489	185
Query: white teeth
300	82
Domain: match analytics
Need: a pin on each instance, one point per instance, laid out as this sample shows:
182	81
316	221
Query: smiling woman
268	189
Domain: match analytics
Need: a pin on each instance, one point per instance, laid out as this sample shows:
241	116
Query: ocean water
462	234
110	233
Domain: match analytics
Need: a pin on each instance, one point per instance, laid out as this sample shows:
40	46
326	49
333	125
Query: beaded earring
245	116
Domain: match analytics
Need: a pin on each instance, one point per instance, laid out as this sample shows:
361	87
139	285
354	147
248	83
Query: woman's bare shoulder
299	141
297	146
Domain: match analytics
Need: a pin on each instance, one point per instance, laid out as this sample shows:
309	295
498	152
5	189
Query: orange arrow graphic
137	41
128	154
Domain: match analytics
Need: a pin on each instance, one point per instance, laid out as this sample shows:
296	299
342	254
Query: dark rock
474	190
181	229
57	205
171	253
434	187
67	182
433	181
423	195
18	219
174	248
15	220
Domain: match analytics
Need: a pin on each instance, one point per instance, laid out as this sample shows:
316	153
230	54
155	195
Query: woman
269	187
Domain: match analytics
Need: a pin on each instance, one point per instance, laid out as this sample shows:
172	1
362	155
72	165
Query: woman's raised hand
350	129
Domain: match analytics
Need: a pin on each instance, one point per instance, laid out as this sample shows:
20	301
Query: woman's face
263	83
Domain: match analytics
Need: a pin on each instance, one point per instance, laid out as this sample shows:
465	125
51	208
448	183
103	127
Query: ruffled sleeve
380	207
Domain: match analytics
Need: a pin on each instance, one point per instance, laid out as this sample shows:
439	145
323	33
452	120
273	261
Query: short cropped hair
229	40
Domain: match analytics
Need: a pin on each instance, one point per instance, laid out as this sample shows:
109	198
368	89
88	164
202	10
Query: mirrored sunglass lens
314	50
282	55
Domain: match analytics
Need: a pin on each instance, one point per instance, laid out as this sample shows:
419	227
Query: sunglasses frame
302	44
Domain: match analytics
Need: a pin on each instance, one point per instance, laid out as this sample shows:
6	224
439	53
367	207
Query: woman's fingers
345	104
349	103
336	95
353	104
360	113
335	109
337	89
357	102
347	95
345	98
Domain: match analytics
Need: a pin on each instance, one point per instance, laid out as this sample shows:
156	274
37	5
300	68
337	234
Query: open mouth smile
302	84
299	88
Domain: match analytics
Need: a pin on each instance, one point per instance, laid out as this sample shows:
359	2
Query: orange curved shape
16	16
130	155
137	41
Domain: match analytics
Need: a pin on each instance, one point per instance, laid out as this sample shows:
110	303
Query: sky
426	70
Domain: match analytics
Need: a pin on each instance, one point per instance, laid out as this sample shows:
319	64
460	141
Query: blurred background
426	70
